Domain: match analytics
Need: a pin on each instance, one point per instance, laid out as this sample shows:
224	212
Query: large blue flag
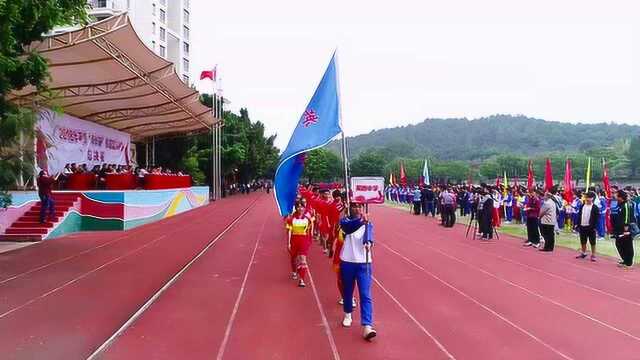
319	123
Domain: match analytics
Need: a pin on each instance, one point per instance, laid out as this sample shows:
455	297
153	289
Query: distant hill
463	139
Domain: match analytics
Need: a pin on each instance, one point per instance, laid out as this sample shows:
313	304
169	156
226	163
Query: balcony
101	9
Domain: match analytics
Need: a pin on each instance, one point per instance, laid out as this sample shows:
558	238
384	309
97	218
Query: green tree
322	165
633	154
21	23
369	163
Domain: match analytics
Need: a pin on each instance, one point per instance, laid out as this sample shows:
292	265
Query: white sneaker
528	243
341	302
369	333
537	246
294	275
346	322
354	303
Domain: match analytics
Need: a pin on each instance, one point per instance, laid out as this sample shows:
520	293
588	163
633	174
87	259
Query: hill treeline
481	149
479	139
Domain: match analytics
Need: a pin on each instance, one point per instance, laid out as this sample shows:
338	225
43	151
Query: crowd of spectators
102	171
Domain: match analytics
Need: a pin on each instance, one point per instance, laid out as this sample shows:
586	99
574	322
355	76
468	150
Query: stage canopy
105	74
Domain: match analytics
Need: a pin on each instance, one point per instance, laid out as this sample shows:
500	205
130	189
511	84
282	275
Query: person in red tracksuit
299	224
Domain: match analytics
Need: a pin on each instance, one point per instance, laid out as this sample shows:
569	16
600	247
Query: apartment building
163	25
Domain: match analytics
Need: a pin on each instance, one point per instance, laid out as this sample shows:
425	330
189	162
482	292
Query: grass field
566	239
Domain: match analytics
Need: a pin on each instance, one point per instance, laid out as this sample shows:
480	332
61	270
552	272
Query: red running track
437	295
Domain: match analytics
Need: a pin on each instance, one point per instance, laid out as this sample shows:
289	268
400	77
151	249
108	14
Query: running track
213	284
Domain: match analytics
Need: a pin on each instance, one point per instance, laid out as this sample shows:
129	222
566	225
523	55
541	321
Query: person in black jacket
624	242
586	226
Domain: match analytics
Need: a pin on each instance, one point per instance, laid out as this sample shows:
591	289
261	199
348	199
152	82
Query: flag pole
345	159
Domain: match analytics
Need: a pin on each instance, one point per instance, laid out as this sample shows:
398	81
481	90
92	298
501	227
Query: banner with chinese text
63	139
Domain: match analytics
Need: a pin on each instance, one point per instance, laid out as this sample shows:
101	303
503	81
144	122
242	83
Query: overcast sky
404	61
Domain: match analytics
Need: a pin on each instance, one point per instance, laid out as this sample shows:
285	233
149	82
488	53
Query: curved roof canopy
105	74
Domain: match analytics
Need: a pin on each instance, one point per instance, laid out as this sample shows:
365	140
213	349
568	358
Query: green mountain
479	139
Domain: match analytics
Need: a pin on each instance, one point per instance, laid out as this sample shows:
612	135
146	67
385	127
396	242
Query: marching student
548	221
588	217
621	232
299	225
355	268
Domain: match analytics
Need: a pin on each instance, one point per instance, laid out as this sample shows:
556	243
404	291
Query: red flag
498	185
568	182
210	74
605	179
607	191
548	176
403	176
530	179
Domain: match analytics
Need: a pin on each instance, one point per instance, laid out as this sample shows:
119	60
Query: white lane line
236	306
168	284
60	260
415	321
131	233
488	309
76	279
325	323
511	244
631	302
540	296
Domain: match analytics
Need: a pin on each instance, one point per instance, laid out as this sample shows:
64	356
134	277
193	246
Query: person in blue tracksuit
602	209
508	207
355	268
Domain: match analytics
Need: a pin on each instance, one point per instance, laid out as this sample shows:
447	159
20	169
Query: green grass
566	239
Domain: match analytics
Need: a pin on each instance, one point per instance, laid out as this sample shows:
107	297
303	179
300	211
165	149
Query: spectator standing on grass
532	210
588	217
417	201
548	221
621	221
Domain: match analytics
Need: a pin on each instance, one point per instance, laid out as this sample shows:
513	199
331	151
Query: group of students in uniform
345	234
589	214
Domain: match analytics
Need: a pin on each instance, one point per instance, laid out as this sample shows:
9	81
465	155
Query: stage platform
95	210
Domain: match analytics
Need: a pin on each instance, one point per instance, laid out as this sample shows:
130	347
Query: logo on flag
309	118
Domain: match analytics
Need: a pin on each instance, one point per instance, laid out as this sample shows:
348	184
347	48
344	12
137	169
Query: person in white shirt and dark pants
588	219
548	222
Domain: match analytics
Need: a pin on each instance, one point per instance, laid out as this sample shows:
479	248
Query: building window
185	79
185	65
185	17
153	28
153	45
185	32
186	4
163	16
153	9
185	48
163	51
163	34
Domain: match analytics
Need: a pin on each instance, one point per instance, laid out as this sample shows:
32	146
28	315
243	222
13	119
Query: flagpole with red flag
568	182
403	176
530	178
607	190
548	176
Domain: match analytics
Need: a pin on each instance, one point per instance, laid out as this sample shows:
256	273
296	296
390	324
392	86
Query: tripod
473	223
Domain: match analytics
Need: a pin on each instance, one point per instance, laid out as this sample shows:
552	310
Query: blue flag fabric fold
319	123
